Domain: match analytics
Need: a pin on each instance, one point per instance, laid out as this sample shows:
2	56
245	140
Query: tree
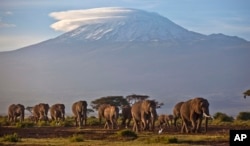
243	116
222	117
112	100
134	98
246	93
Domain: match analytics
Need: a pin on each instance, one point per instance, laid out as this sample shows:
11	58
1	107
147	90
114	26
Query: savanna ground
30	134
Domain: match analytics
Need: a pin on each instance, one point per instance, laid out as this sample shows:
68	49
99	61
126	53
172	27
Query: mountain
129	51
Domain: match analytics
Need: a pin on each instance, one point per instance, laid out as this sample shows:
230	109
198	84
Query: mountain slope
136	52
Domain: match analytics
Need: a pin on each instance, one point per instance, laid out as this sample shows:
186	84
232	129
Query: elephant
57	112
79	110
165	119
14	111
144	114
176	112
193	111
111	114
40	112
101	109
126	116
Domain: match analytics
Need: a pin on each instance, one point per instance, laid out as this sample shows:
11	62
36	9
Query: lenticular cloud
69	20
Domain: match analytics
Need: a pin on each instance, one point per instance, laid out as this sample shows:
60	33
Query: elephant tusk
207	116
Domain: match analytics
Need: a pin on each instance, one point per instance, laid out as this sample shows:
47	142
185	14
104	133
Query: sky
27	22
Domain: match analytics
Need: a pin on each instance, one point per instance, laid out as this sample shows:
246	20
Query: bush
76	138
42	123
11	138
93	121
4	121
222	117
243	116
162	139
25	124
127	134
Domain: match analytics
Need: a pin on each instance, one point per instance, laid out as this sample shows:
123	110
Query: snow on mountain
121	24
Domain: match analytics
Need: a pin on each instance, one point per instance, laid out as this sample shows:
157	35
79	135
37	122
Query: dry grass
142	140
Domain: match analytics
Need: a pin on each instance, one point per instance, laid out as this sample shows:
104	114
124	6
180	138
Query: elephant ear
196	105
145	106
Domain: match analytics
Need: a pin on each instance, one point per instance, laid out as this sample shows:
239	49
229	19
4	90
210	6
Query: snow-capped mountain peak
124	24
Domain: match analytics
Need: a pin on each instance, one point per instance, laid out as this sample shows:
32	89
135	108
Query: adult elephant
111	114
79	110
40	112
57	112
126	116
144	114
176	112
193	111
14	111
101	109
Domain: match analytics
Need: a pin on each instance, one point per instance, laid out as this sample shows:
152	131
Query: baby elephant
165	119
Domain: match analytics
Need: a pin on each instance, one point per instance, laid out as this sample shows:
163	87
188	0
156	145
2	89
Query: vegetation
127	134
112	100
11	138
246	93
76	138
222	117
243	116
161	139
93	121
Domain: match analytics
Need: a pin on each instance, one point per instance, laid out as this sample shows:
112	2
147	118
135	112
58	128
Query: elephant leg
128	123
198	125
76	118
184	126
175	122
194	126
106	125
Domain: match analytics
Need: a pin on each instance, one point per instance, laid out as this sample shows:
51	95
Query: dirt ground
97	133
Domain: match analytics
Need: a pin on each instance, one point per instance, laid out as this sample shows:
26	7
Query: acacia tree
134	98
246	93
112	100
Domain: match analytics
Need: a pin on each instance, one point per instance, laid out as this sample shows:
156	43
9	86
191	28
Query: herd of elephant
143	113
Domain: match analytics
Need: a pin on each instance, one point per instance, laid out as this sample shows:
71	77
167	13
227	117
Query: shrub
76	138
243	116
11	138
127	134
222	117
25	124
4	121
92	121
42	123
162	139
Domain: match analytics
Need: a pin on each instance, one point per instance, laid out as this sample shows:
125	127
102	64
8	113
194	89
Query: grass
147	139
11	138
76	138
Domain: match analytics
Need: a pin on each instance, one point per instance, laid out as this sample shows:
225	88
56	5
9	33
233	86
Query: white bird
160	131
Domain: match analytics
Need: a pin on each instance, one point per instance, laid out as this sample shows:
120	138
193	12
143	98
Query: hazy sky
26	22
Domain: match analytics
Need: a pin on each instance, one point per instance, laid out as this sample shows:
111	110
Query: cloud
5	25
69	20
8	13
